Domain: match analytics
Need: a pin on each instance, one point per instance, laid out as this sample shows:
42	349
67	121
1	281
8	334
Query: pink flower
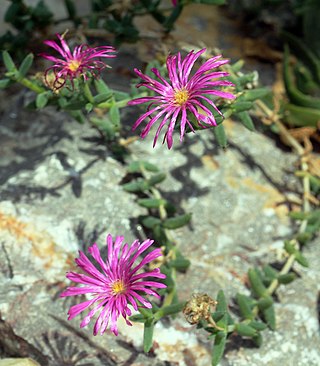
182	96
116	285
81	62
174	2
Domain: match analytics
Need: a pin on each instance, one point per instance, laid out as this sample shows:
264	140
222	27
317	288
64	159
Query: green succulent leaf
245	330
148	335
220	136
157	178
246	120
180	264
150	222
102	97
294	94
270	317
265	302
256	283
301	116
241	106
176	222
25	66
42	100
8	62
5	83
245	306
139	185
251	95
152	202
102	87
258	325
139	166
286	278
218	347
257	339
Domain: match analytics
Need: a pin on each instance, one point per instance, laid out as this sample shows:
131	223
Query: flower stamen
74	65
181	96
118	287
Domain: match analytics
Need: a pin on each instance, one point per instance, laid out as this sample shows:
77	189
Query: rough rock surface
60	192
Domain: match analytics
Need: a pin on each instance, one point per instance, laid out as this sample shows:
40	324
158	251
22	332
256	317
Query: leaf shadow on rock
62	350
250	161
106	358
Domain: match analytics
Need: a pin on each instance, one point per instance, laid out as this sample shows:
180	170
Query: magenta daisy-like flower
118	284
183	95
83	61
174	2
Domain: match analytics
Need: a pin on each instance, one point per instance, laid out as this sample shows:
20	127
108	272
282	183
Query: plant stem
306	187
163	215
30	85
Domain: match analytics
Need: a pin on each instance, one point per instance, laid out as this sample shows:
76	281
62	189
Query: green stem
163	215
30	85
169	310
119	104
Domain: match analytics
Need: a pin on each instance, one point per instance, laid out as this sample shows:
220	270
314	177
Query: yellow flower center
74	65
118	287
181	96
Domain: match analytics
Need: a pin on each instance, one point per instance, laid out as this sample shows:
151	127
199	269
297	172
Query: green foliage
218	347
148	335
26	20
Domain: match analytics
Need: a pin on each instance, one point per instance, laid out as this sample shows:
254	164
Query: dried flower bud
198	308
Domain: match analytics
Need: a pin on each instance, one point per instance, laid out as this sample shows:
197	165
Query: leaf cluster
26	20
159	222
79	101
113	16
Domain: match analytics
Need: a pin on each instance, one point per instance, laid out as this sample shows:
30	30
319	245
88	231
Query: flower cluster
182	94
118	284
82	61
184	100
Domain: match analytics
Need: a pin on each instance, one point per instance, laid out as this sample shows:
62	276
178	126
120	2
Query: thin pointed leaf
148	335
157	178
253	94
241	106
25	65
218	347
246	120
151	202
8	62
